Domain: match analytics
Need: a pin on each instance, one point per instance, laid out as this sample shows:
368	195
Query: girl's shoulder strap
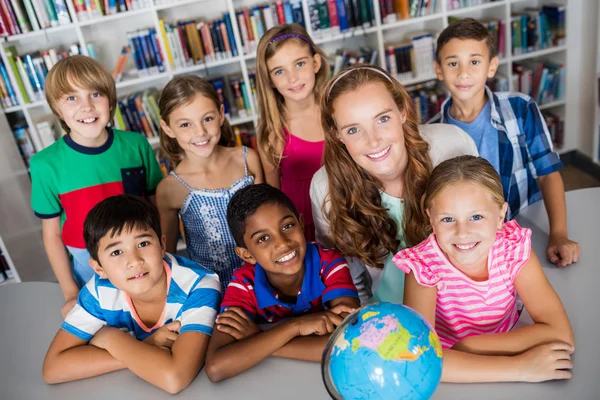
182	181
245	160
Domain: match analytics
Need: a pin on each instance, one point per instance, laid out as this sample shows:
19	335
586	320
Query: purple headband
289	35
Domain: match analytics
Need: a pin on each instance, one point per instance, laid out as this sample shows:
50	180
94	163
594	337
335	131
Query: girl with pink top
464	279
291	71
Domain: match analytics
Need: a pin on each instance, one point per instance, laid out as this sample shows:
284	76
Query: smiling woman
377	161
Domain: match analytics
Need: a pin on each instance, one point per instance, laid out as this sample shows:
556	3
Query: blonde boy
507	128
87	165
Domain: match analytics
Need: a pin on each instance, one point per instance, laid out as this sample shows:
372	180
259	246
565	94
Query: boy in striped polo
85	166
283	277
145	309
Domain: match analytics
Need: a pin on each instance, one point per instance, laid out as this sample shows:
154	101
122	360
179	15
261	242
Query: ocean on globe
383	351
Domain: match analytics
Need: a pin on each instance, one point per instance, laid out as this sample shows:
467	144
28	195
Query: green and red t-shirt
69	179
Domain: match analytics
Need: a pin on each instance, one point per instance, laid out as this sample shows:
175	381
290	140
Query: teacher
377	160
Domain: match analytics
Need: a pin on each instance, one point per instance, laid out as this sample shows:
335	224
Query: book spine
33	78
163	33
20	16
216	44
62	13
342	16
155	47
334	22
42	14
144	37
280	12
288	13
7	87
234	50
297	12
15	70
31	96
313	12
49	4
243	32
225	36
31	15
9	17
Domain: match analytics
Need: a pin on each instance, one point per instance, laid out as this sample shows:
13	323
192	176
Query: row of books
234	94
456	4
23	16
194	42
254	22
30	72
139	112
394	10
145	49
497	28
411	58
344	58
556	128
329	17
427	98
92	9
538	28
544	82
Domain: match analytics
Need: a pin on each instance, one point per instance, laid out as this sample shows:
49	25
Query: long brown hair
180	91
271	139
360	226
470	169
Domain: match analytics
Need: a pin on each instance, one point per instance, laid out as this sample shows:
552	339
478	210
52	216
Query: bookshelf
108	34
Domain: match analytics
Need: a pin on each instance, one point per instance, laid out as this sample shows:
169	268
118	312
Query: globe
382	351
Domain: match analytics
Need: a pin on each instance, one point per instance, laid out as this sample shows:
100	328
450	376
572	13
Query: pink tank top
301	159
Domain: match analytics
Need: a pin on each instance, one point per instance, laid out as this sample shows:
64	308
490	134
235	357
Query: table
30	316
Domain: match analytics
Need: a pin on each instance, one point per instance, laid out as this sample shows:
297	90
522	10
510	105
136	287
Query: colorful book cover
154	45
298	14
163	33
20	15
62	13
10	56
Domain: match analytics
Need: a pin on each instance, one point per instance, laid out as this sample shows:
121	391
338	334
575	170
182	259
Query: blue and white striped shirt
525	147
193	299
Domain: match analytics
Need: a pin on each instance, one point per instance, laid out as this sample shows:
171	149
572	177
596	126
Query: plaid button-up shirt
525	147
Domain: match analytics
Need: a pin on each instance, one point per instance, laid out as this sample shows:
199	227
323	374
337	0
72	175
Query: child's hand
165	336
101	337
546	362
342	310
320	324
235	322
562	251
68	306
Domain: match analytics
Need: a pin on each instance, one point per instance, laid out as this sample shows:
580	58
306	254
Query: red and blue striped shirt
326	277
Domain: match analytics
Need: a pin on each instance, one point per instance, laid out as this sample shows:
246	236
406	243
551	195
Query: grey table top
30	316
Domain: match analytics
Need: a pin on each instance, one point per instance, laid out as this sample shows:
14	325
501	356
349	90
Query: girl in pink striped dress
464	278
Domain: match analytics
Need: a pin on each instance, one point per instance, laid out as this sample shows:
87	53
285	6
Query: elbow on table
214	371
51	372
173	383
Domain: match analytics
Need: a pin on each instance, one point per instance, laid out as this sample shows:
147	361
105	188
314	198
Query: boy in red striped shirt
283	277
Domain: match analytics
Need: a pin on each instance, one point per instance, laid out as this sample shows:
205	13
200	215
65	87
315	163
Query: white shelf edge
144	79
417	79
175	4
205	66
345	35
466	10
539	53
551	104
40	32
115	17
411	21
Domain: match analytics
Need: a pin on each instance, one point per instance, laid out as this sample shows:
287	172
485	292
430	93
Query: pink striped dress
466	307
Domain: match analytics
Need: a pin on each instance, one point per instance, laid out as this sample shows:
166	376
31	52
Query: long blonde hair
470	169
360	226
270	102
180	91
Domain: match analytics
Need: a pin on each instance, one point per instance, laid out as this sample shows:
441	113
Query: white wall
582	32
